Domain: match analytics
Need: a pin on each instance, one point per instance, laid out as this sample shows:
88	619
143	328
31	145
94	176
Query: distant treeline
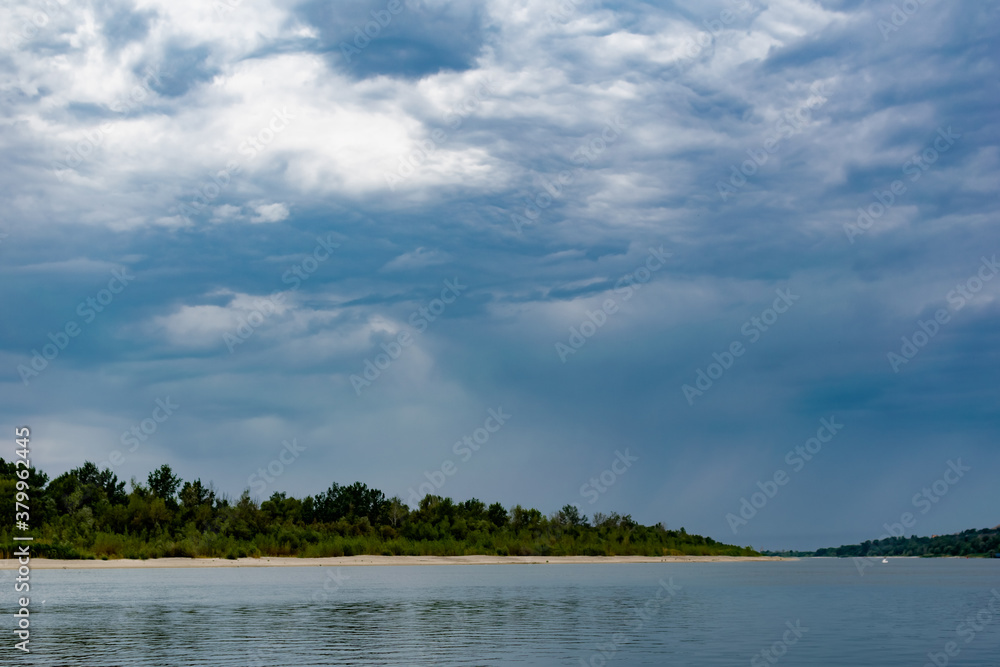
87	513
983	543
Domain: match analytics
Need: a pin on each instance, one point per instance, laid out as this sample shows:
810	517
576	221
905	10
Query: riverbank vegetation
87	513
983	543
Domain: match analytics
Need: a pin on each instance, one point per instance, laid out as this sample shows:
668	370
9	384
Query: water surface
614	614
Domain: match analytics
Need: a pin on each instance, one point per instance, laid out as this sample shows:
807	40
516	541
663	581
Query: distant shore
367	561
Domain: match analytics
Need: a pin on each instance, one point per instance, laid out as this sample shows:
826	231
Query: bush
61	551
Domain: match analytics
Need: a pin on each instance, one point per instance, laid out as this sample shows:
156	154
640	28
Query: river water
809	612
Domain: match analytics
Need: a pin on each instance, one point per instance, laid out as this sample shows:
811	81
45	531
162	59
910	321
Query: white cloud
269	213
204	325
225	213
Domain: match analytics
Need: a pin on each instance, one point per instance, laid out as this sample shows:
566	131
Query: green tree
195	493
521	518
197	504
163	482
570	515
104	480
473	508
397	511
497	515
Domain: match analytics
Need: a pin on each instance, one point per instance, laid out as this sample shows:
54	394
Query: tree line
87	513
984	543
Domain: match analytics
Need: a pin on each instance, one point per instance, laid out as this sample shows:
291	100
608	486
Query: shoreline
368	561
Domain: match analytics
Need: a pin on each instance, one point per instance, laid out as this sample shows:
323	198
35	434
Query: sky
726	265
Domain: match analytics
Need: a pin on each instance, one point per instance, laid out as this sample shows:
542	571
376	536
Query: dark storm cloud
183	68
411	39
867	105
124	25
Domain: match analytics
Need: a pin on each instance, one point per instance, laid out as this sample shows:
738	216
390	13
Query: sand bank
47	564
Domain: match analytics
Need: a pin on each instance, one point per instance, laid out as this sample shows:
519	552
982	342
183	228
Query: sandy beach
366	561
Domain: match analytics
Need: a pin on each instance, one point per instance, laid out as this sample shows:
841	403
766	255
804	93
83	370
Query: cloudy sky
661	242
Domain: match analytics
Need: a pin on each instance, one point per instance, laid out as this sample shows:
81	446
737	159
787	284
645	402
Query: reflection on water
722	614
